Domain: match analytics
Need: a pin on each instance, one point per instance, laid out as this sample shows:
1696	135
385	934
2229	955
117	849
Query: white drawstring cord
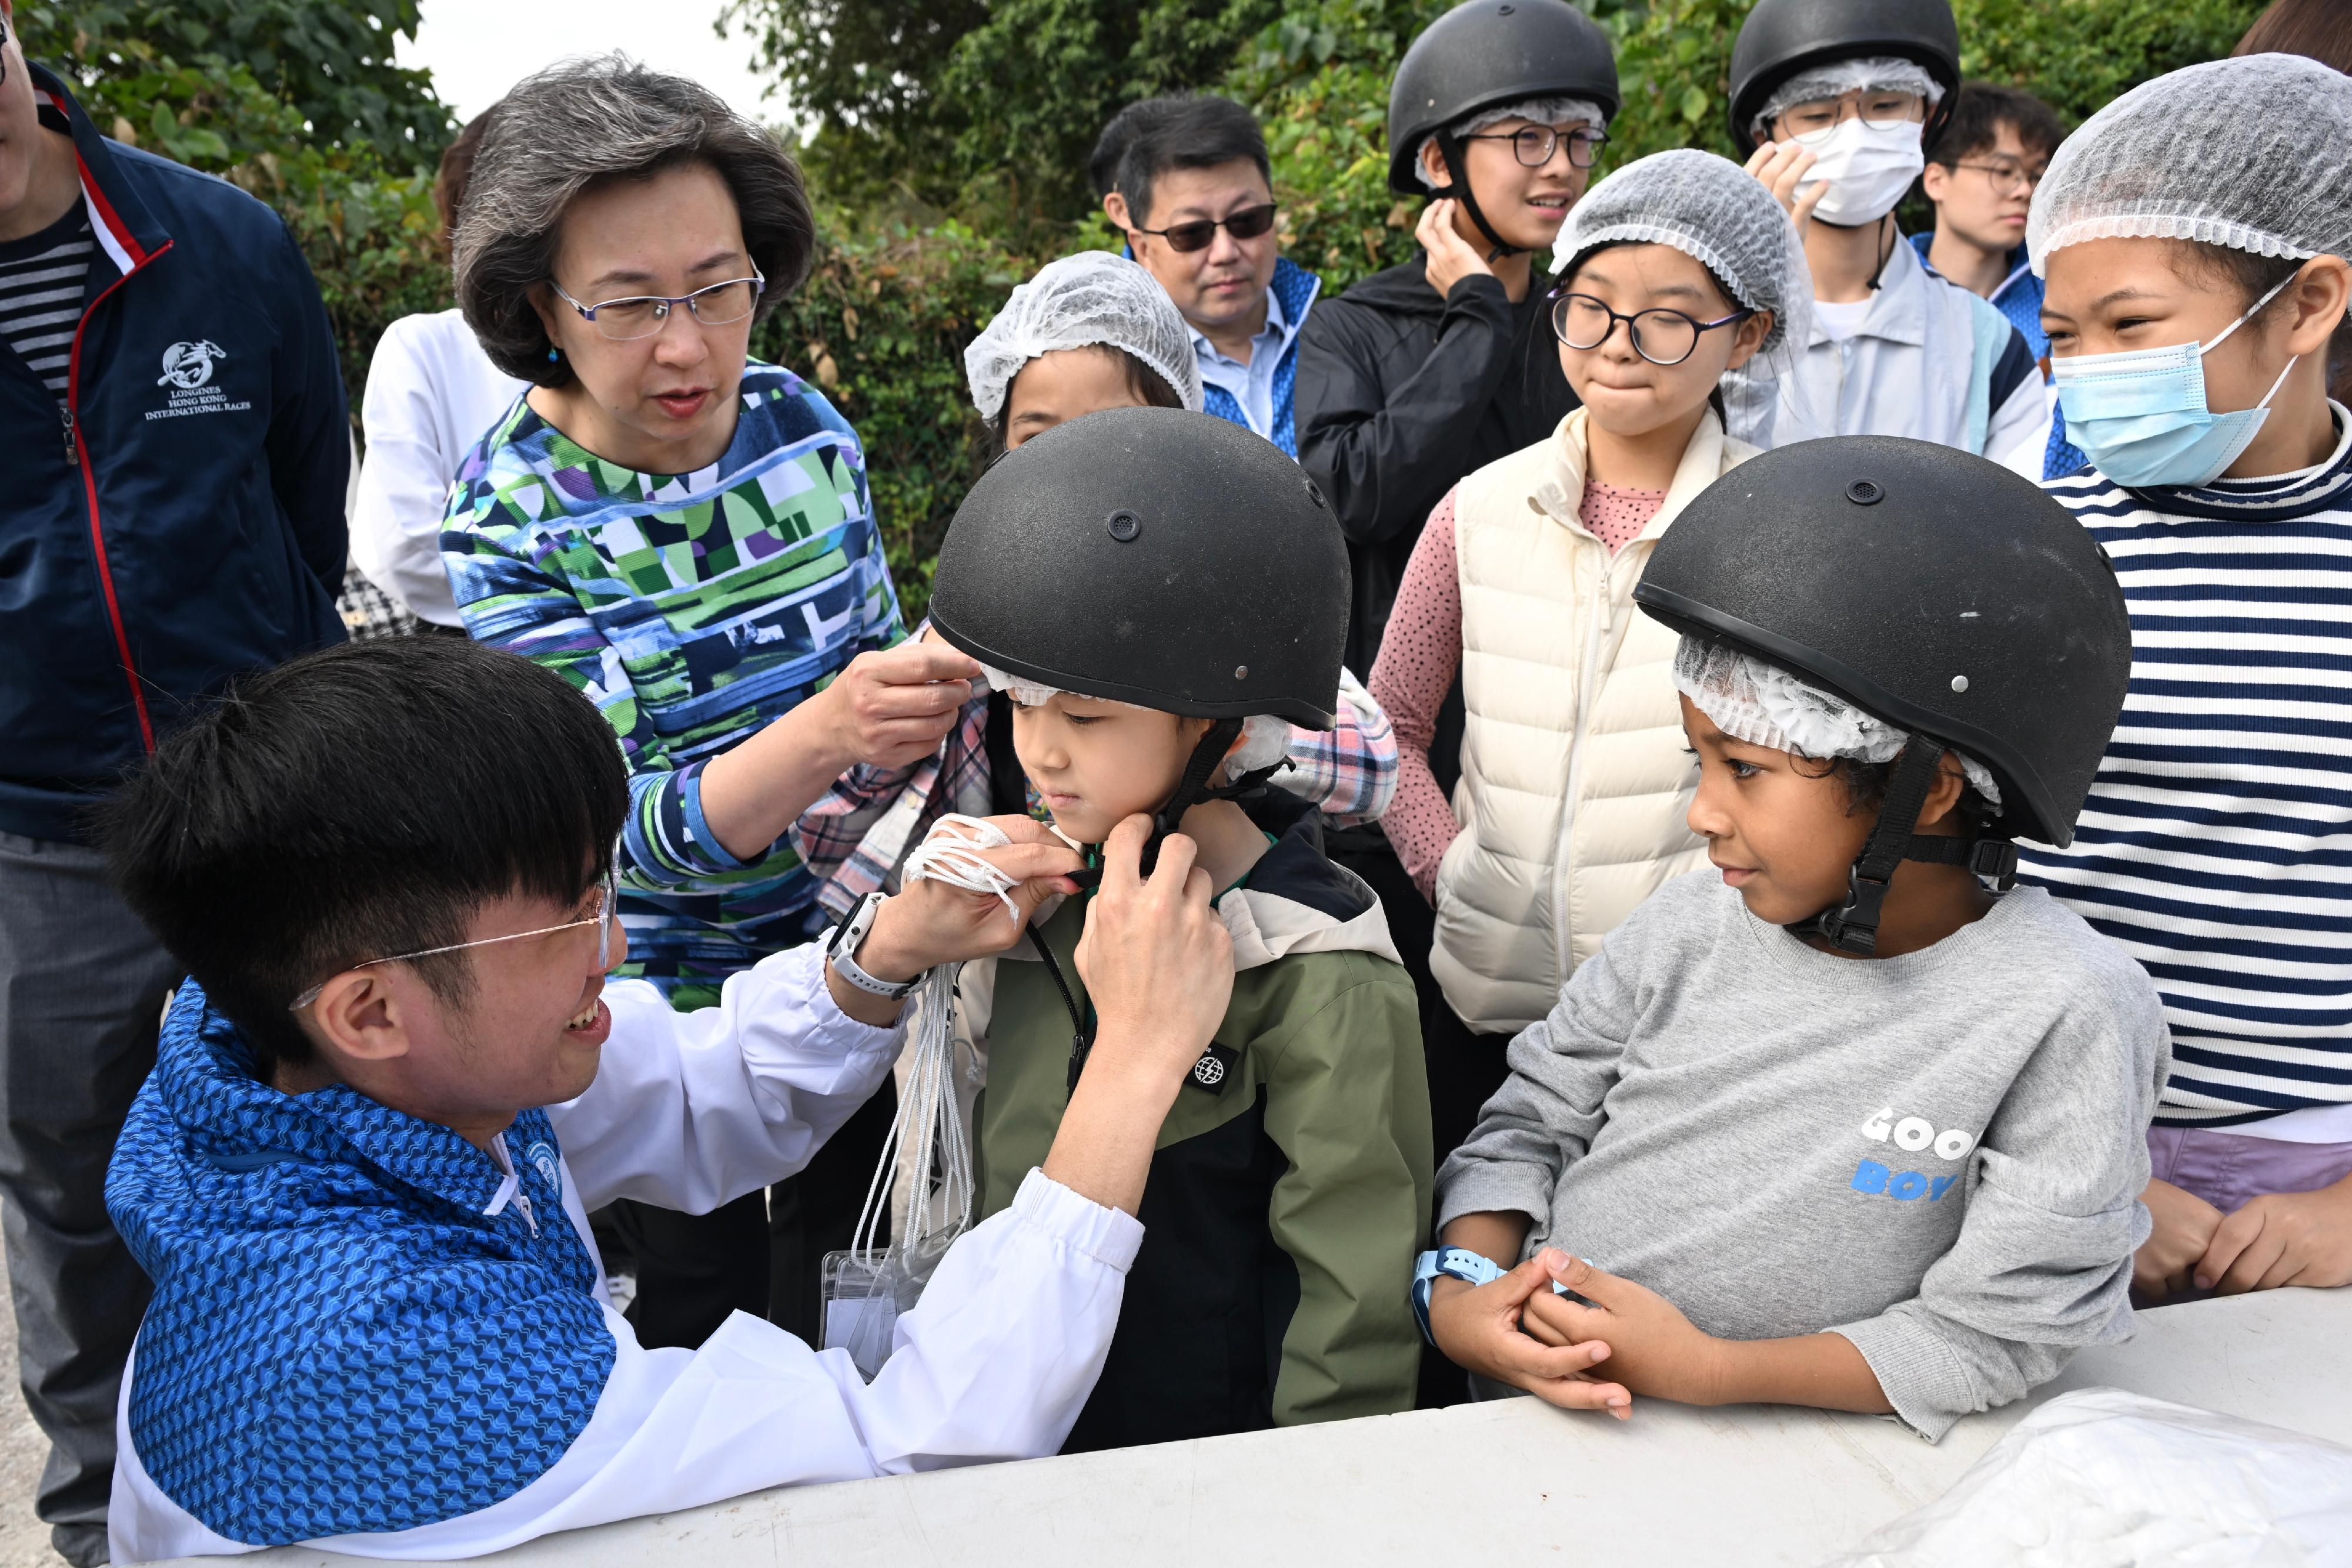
952	854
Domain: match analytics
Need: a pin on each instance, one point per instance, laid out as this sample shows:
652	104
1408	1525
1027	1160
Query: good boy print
1917	1137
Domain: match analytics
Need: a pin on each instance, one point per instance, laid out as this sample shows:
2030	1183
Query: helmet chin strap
1457	188
1853	924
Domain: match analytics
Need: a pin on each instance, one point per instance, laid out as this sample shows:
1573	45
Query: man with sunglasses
175	454
1834	102
1187	181
1981	175
400	1078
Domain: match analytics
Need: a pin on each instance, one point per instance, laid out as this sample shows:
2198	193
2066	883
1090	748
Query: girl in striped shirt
2193	235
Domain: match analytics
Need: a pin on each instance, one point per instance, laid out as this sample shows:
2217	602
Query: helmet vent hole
1865	493
1124	526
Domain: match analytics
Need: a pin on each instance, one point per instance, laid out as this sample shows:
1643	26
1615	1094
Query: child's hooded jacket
1291	1185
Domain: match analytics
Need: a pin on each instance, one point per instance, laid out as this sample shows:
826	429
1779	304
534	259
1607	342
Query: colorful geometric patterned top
692	609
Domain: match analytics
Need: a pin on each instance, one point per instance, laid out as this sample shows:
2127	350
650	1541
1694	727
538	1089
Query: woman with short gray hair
685	534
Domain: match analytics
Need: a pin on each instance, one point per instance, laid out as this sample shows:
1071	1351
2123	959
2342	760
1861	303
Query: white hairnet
1764	705
1265	737
1534	110
1714	212
1093	298
1875	73
2249	153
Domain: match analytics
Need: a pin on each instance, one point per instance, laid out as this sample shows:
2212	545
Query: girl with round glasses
685	534
1672	273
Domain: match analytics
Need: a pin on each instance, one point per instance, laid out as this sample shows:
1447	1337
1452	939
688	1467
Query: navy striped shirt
2216	841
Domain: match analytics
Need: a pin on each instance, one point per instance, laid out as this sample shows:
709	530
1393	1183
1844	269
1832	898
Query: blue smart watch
1460	1264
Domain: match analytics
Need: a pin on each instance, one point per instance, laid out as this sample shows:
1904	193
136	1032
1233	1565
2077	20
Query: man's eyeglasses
1662	336
1533	145
2005	179
1811	121
643	315
1186	238
602	920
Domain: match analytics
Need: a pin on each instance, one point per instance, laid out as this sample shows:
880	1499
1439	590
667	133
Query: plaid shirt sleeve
857	834
1350	769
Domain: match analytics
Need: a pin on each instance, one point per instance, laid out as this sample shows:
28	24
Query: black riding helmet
1934	589
1482	54
1781	37
1155	557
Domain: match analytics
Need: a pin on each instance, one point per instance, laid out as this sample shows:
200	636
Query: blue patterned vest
340	1341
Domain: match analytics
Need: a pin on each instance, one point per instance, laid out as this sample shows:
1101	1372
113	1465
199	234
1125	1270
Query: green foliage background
947	142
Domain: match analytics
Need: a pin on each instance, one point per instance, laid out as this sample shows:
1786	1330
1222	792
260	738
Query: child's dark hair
2251	276
356	803
1141	379
1567	275
1978	112
1866	784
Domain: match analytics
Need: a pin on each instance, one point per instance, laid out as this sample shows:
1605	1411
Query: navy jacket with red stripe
181	520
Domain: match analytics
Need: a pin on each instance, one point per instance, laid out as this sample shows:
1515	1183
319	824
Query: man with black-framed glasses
1981	175
173	459
1187	181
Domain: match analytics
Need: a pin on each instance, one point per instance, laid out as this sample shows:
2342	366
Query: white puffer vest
1574	781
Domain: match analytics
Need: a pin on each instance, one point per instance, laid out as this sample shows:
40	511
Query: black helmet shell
1781	37
1929	586
1156	556
1490	52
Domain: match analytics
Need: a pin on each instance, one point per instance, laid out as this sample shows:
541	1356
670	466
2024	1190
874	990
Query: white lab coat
431	395
689	1110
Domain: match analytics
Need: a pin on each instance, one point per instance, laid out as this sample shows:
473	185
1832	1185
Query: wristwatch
841	952
1460	1264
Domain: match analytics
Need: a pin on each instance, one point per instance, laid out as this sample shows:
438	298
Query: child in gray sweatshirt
1904	1179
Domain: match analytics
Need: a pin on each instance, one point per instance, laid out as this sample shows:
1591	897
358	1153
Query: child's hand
1478	1329
1452	258
2283	1239
2182	1230
1782	165
1652	1348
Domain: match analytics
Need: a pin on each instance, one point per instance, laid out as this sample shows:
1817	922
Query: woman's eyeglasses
1660	336
602	920
643	315
1186	238
1533	145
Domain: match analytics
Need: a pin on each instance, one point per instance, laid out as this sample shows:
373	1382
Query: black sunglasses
1248	223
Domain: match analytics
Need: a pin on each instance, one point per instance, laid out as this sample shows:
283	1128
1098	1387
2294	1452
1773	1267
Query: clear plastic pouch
866	1289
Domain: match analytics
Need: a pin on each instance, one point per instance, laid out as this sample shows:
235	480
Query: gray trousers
82	988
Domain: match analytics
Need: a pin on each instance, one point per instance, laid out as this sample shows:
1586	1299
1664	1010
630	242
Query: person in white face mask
1836	100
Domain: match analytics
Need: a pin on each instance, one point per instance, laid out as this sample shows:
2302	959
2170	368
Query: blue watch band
1457	1262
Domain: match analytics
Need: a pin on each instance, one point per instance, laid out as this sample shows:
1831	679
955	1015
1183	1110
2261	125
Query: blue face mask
2141	418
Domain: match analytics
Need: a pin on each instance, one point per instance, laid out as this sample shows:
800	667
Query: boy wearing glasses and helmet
1835	100
1187	181
1163	597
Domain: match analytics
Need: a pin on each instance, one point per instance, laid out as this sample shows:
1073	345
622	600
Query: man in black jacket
171	514
1425	373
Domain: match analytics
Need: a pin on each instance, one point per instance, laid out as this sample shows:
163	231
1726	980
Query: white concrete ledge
1753	1486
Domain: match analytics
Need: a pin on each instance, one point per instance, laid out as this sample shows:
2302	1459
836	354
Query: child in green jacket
1162	595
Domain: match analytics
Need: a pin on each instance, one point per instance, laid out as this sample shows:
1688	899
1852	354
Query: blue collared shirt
1259	395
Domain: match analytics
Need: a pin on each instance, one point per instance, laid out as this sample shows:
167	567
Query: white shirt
689	1110
431	394
1902	368
1252	385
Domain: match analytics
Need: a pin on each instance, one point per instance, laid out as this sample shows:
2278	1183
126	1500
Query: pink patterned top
1421	653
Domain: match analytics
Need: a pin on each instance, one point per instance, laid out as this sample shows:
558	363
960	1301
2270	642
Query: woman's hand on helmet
891	708
1157	960
1452	258
1782	165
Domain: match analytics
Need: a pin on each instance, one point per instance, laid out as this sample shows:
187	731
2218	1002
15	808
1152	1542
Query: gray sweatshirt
1937	1155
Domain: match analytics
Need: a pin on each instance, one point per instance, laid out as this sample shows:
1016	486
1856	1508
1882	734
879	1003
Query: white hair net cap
1265	737
2250	154
1714	212
1873	73
1764	705
1091	299
1535	110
